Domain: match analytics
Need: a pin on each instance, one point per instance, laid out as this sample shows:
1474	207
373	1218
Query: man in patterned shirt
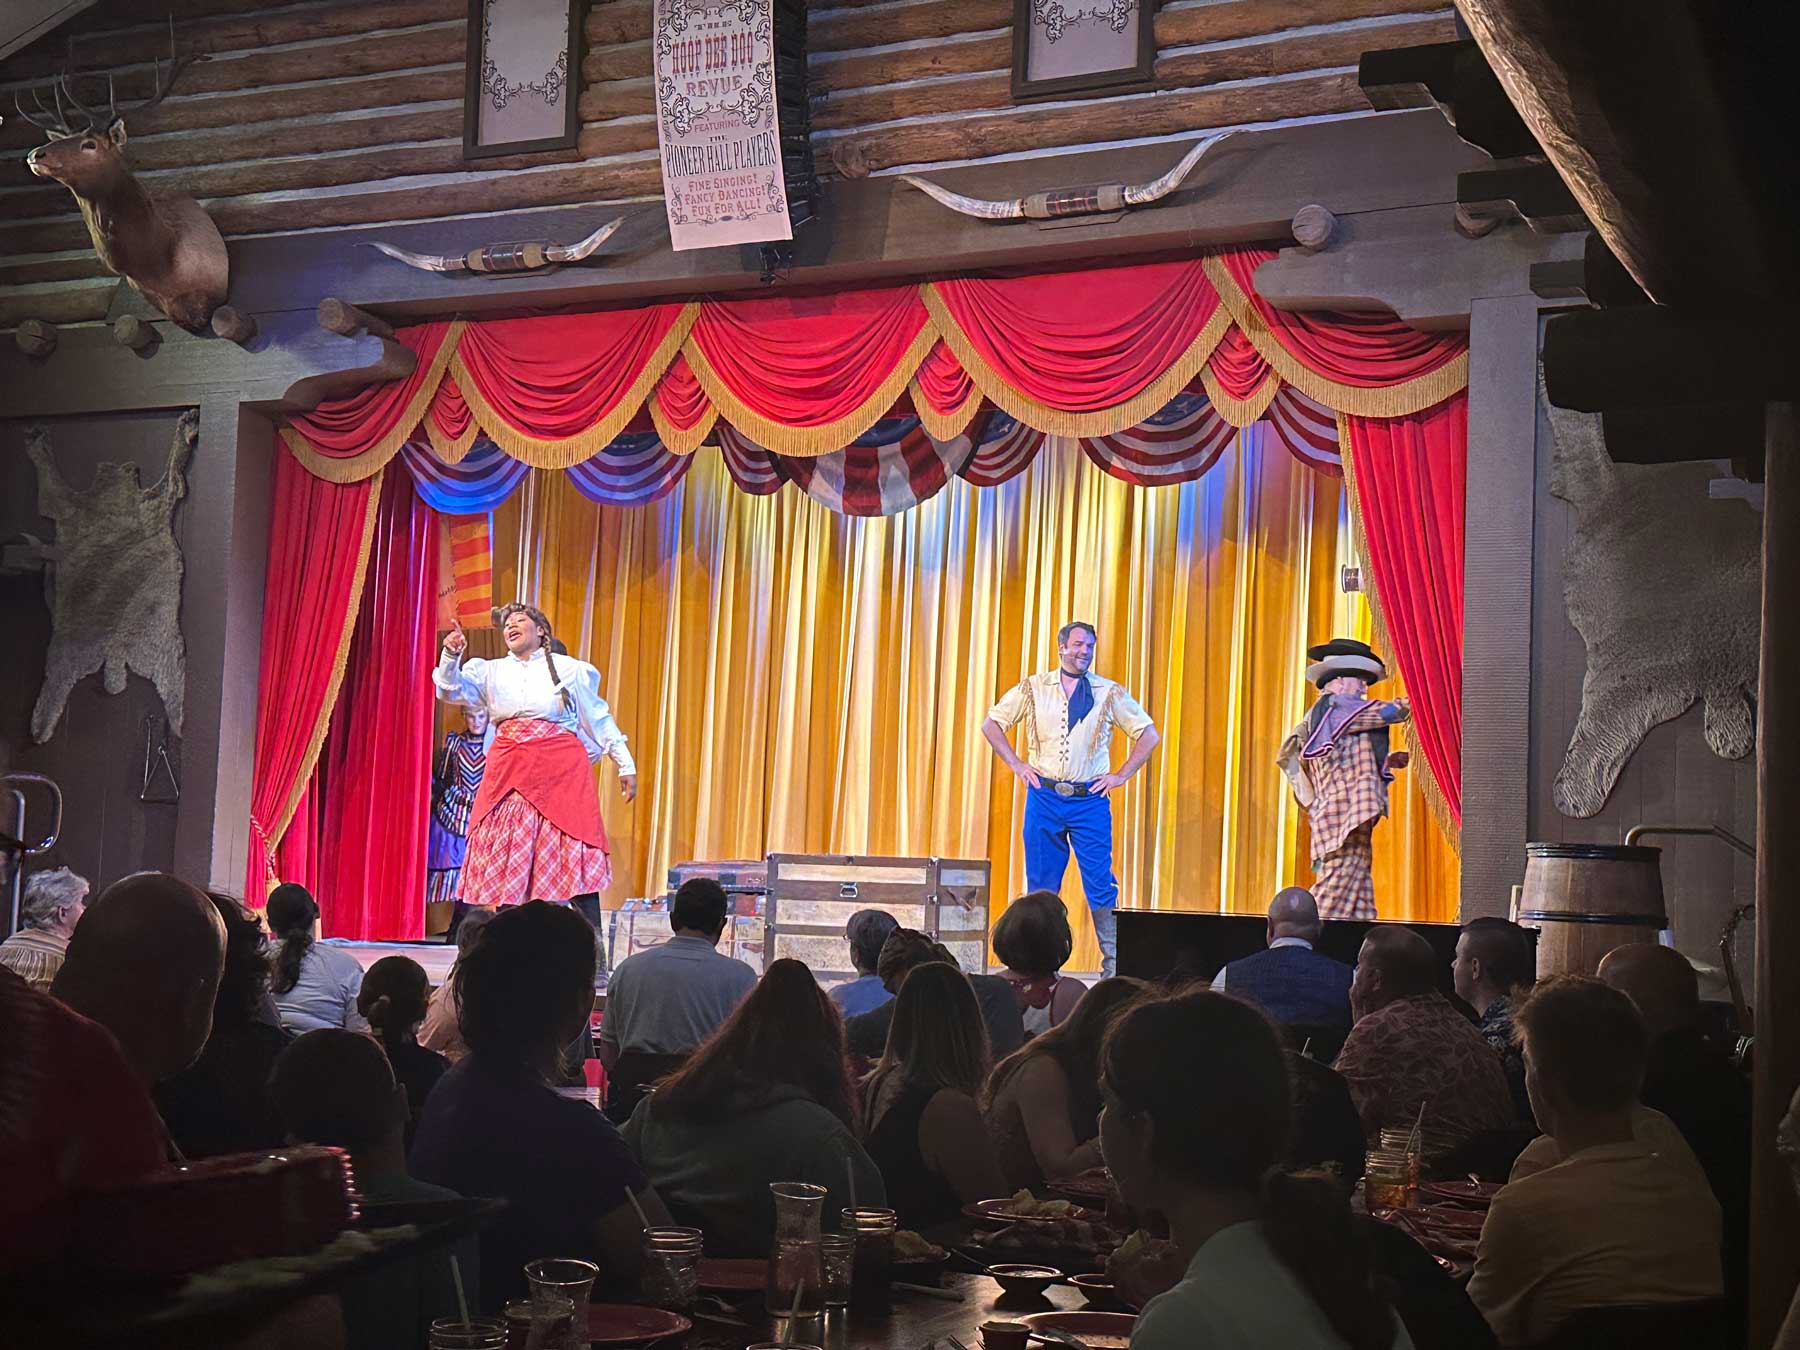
1339	764
1070	715
1410	1047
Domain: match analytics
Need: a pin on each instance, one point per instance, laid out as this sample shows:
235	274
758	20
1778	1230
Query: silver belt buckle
1065	789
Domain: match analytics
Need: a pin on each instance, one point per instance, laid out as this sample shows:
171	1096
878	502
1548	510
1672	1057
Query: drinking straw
643	1218
1415	1140
462	1299
850	1177
799	1293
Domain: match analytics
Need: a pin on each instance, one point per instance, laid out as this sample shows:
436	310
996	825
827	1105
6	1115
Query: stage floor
435	955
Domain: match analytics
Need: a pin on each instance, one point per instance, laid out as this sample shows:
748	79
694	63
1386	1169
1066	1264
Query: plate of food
1449	1216
1090	1187
628	1324
1072	1245
1477	1193
917	1260
1024	1207
1096	1330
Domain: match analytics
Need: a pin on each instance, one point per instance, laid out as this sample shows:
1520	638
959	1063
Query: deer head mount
164	244
1056	203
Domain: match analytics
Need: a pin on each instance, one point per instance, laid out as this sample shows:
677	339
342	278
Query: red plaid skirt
535	831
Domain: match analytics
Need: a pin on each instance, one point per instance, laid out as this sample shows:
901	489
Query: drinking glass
871	1275
1387	1181
478	1333
541	1322
672	1267
565	1277
795	1285
837	1253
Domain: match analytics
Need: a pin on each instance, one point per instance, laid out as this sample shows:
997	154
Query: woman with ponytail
315	987
1195	1124
535	831
395	996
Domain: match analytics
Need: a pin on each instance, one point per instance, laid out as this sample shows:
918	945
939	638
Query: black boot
458	908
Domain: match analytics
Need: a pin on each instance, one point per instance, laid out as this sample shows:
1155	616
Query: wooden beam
1183	70
1529	192
67	302
1452	75
881	231
247	114
845	30
619	61
617	136
1192	24
1031	128
829	73
631	97
1600	360
229	33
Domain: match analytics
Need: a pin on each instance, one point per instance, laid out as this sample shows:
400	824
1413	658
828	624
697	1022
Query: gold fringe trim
1433	791
683	440
452	449
1393	400
340	663
1240	412
945	426
783	439
1056	421
372	461
563	454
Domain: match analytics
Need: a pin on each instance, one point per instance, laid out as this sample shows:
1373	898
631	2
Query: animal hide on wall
1664	585
114	578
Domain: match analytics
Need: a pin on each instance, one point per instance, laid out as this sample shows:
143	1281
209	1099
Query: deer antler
54	123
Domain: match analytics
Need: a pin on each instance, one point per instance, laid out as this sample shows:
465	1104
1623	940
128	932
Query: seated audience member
337	1088
1409	1048
1327	1132
1787	1145
924	1129
73	1117
766	1099
663	1002
145	963
220	1103
441	1032
1032	937
905	948
1042	1103
393	1000
49	908
1307	993
1612	1223
1693	1082
1196	1124
1494	968
867	930
314	985
495	1127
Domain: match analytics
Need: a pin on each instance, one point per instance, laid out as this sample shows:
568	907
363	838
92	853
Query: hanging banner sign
715	120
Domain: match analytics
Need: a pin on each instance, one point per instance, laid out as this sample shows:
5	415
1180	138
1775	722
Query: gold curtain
797	680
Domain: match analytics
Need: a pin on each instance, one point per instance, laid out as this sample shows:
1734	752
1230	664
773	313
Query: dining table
914	1321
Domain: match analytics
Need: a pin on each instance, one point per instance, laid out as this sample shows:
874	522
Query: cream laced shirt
1079	755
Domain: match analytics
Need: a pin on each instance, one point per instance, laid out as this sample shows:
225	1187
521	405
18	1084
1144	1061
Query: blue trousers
1055	826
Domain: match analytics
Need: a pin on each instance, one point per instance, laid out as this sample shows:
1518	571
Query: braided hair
536	615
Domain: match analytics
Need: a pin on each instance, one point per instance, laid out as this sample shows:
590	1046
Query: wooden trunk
812	896
1586	899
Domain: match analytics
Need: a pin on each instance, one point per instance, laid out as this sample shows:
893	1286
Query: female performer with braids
535	831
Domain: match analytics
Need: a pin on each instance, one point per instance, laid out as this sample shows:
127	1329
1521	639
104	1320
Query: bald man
1410	1047
1692	1081
145	963
1306	992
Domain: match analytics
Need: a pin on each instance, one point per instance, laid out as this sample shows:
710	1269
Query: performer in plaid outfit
1070	715
1340	766
453	787
535	831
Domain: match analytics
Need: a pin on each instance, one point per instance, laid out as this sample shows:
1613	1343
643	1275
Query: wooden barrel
1586	899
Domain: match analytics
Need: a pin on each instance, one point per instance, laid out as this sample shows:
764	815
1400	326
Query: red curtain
1081	341
374	779
1408	482
346	427
318	546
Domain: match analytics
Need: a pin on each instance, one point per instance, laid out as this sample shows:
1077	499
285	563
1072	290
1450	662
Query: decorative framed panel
1071	47
524	77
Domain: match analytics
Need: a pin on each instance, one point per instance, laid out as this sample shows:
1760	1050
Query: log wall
334	113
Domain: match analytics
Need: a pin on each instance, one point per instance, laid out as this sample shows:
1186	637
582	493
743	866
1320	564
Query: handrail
14	782
1728	938
1637	832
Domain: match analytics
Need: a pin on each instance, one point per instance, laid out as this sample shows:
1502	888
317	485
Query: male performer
1338	763
535	831
1069	718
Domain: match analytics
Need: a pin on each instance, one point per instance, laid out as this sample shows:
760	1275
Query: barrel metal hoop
1583	916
